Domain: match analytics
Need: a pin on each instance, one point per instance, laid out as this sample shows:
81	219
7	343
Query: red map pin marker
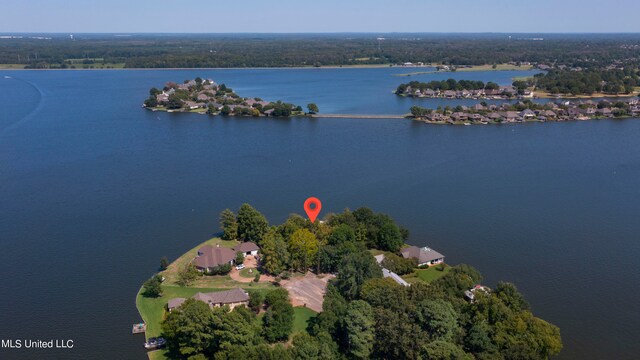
312	207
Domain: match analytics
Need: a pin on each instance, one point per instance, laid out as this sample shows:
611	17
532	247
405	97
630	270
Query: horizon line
320	33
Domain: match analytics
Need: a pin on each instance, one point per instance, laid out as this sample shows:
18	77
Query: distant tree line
199	51
587	81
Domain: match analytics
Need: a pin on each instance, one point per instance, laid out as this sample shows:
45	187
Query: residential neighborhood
527	110
206	96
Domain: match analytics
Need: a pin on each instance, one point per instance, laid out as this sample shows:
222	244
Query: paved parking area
308	290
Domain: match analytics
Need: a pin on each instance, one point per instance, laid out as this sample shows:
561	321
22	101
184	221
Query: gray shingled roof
246	247
423	255
209	256
174	303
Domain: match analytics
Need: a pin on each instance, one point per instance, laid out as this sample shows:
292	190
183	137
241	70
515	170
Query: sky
262	16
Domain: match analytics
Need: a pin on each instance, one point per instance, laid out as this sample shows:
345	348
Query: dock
357	116
139	328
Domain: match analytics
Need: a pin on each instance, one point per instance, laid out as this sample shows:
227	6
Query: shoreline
364	66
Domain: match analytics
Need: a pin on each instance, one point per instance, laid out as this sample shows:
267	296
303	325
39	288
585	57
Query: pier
357	116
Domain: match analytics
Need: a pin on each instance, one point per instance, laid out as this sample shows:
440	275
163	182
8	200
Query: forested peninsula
346	287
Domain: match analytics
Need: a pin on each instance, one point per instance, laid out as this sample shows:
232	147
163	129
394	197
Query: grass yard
12	66
246	274
301	316
426	275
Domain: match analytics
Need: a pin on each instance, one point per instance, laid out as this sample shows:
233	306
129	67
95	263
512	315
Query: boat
155	343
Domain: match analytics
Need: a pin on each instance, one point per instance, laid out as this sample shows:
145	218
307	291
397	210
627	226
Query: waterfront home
232	298
191	105
471	293
210	257
424	255
527	114
247	248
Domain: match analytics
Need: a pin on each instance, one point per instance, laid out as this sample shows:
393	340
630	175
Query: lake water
95	190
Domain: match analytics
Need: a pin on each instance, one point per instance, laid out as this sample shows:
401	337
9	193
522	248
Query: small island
527	110
345	287
207	97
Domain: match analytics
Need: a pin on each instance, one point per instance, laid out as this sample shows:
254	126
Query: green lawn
426	275
245	273
301	316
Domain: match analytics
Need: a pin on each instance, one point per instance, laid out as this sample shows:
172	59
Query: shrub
220	270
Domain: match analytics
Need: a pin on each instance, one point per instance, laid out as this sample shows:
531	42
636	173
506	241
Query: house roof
209	256
246	247
174	303
423	255
223	297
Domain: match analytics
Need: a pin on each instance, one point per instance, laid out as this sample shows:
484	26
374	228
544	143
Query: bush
256	278
398	264
151	287
256	300
188	275
164	263
220	270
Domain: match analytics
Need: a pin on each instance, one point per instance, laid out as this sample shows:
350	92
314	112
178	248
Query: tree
359	326
303	248
354	270
313	108
438	318
152	287
276	296
442	350
399	264
278	319
239	257
510	296
252	225
226	110
174	102
341	234
187	275
256	300
187	329
388	236
164	263
275	253
229	225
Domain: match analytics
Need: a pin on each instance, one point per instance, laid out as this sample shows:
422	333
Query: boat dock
357	116
139	328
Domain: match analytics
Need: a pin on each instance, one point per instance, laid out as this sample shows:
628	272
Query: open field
12	66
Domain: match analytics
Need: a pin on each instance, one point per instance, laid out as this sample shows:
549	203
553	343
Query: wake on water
17	122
